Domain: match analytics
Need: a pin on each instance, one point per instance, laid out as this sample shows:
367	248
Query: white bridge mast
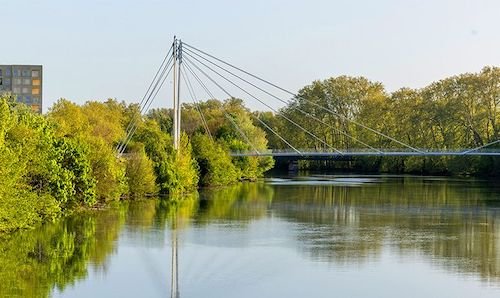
177	57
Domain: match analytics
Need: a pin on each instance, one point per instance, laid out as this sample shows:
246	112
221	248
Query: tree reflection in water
453	223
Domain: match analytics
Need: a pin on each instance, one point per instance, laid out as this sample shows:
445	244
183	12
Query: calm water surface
314	236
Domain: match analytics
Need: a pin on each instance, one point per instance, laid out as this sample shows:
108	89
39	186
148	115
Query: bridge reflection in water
174	292
447	228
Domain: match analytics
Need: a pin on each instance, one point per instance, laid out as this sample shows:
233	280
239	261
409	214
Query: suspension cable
274	132
188	67
150	101
480	147
272	95
262	102
336	129
145	106
148	90
305	99
192	94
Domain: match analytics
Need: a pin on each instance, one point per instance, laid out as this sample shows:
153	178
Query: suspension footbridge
189	66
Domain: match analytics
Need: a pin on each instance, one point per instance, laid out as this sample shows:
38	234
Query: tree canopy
452	114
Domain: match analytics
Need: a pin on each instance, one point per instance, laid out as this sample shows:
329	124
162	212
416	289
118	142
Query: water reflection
455	223
174	285
34	262
341	221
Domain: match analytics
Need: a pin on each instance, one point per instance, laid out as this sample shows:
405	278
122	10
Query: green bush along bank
52	164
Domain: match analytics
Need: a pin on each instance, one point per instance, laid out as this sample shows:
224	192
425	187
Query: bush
214	162
140	174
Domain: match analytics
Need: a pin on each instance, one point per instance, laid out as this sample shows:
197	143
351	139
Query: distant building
23	81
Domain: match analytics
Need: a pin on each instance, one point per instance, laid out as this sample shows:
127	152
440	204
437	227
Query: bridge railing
367	152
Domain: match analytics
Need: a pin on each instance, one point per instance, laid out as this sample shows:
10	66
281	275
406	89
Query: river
301	236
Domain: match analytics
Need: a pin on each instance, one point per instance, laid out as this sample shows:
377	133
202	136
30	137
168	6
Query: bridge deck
344	154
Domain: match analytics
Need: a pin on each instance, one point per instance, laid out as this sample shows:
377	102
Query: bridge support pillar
293	166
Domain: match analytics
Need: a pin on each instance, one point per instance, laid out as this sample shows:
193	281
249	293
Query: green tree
216	167
21	206
140	173
100	126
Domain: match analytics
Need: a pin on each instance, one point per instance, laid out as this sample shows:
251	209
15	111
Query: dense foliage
455	113
68	158
229	127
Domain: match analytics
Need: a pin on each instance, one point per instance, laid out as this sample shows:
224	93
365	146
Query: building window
35	91
16	73
7	72
25	90
35	108
0	72
36	82
36	99
17	81
6	81
27	98
26	82
35	73
26	73
1	82
16	90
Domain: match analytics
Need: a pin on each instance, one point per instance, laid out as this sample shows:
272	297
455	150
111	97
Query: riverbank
68	159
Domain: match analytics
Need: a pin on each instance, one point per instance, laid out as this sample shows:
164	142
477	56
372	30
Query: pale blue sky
95	49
